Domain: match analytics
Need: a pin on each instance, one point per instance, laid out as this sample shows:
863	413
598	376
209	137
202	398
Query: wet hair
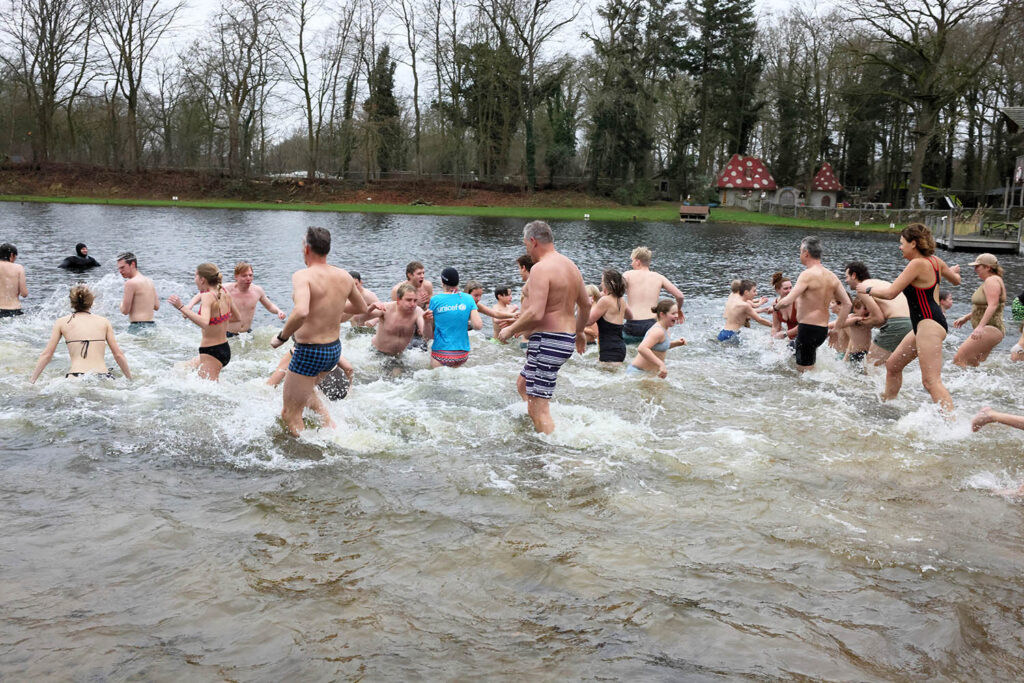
502	291
812	245
413	267
920	236
79	247
613	282
471	285
318	240
859	303
210	273
778	278
404	289
734	286
241	267
128	257
858	268
641	254
81	298
663	306
355	275
7	250
540	231
945	294
743	286
594	292
526	261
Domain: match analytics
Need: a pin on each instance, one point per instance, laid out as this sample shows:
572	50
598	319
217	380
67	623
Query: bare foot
983	418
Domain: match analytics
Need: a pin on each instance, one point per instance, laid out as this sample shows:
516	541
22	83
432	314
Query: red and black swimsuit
923	302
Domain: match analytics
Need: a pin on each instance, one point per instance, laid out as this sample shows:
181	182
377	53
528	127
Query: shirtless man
140	299
364	322
813	292
891	316
739	311
414	275
322	294
643	289
554	314
12	282
246	295
398	320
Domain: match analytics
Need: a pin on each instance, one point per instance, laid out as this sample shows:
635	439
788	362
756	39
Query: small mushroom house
824	188
745	178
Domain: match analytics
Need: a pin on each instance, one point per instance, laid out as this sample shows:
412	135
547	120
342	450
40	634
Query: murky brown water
734	521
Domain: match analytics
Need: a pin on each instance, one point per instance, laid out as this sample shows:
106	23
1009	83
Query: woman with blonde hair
986	314
216	309
85	335
919	282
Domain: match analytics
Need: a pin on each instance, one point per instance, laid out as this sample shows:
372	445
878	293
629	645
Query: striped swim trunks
546	353
452	359
312	359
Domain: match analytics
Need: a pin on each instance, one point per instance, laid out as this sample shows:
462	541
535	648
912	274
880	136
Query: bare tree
407	13
49	42
314	65
939	47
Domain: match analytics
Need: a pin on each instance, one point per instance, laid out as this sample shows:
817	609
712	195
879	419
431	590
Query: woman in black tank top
919	281
609	313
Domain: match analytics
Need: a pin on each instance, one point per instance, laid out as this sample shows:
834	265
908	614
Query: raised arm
799	288
47	353
752	314
202	318
115	349
951	273
902	281
875	317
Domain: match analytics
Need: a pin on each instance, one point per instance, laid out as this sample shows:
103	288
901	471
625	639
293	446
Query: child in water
858	334
740	310
505	306
651	352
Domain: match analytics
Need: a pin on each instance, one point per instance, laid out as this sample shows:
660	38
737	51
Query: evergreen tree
383	114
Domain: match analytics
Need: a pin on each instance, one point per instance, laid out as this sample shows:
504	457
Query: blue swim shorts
729	337
312	359
546	353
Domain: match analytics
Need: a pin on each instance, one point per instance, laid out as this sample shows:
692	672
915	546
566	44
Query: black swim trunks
104	375
235	334
10	312
633	331
222	352
808	339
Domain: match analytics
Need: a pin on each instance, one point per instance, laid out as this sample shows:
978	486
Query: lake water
736	520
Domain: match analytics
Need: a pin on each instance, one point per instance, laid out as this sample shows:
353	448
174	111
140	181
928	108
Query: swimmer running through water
87	336
650	355
739	311
216	309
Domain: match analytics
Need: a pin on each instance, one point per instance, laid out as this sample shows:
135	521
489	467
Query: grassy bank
659	212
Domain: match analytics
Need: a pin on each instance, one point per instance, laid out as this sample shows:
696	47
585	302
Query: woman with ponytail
216	309
85	335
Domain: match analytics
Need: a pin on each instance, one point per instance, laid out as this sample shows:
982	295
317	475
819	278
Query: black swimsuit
611	346
222	352
923	304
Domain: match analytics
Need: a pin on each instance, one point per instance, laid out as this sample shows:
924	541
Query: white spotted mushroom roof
826	181
745	173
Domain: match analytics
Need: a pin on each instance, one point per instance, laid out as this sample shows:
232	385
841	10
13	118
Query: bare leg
209	367
540	411
899	359
521	388
296	394
877	356
973	352
929	351
316	405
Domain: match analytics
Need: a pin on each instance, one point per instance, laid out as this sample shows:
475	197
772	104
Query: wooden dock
995	237
694	214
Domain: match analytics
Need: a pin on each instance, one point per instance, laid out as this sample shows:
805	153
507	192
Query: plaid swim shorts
312	359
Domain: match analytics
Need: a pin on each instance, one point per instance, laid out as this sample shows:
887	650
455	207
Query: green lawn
661	211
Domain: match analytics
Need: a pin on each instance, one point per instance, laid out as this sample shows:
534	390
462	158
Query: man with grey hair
553	316
815	289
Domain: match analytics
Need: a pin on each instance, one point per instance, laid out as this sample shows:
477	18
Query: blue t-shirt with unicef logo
451	320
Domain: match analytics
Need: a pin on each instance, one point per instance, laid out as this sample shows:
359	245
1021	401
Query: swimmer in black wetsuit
81	260
919	282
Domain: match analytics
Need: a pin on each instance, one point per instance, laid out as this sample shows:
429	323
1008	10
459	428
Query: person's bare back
12	286
644	286
140	299
329	290
891	308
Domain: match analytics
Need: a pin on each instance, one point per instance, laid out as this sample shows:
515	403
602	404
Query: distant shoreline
662	212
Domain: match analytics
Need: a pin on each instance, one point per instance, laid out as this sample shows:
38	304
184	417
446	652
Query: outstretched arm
271	306
752	314
799	288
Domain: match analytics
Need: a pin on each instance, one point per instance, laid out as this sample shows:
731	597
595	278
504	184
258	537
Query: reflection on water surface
736	520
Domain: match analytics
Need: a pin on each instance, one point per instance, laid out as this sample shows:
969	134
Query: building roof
745	173
1016	116
825	180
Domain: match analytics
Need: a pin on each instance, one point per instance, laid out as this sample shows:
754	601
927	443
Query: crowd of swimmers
557	316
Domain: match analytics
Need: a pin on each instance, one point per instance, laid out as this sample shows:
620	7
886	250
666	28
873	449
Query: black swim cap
450	277
79	247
